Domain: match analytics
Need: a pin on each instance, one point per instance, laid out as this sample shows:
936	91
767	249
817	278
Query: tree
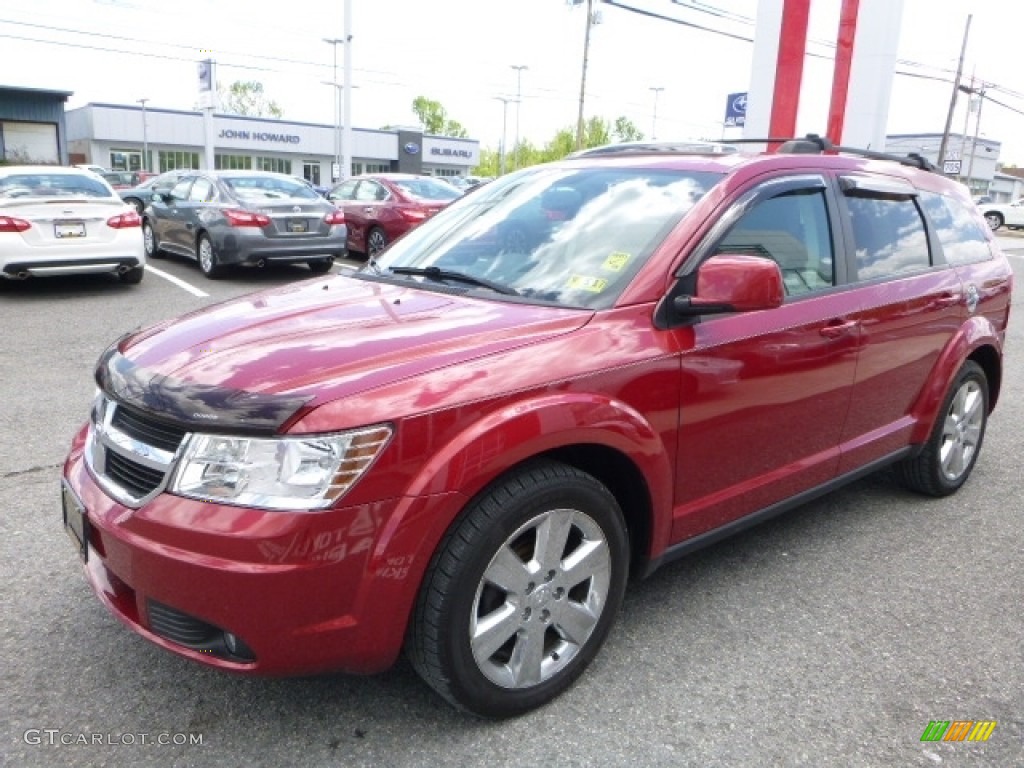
626	130
246	97
435	120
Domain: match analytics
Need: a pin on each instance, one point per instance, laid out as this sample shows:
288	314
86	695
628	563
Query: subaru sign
411	148
736	109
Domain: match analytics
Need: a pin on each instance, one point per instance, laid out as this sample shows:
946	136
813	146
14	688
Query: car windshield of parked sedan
55	185
427	189
268	187
568	236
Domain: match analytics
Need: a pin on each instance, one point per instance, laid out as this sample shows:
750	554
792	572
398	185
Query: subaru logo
411	148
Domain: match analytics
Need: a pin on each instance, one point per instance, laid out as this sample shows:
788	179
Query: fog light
236	647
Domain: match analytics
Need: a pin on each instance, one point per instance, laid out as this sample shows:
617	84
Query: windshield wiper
436	273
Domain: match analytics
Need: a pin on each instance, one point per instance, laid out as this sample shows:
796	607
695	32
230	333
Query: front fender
974	335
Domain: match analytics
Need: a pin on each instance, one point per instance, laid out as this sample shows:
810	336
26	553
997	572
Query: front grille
135	477
181	628
148	430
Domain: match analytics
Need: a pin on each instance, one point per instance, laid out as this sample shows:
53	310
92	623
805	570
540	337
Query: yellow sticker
616	261
584	283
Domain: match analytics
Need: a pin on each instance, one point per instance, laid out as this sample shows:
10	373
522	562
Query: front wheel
995	220
208	263
522	592
948	457
149	241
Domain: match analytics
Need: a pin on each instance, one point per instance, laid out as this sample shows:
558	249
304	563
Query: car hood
253	362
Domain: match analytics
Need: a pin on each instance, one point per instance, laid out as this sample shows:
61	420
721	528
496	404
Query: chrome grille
130	454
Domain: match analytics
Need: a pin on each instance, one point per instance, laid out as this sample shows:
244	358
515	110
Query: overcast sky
461	52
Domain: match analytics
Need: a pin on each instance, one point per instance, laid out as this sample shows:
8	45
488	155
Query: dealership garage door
30	142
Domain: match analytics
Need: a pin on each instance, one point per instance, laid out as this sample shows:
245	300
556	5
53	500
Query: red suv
560	381
382	207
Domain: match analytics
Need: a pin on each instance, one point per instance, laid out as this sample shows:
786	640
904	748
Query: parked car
381	207
125	179
97	169
221	218
65	221
1009	214
467	447
141	195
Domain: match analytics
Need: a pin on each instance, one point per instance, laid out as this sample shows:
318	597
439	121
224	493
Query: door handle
838	328
368	209
943	301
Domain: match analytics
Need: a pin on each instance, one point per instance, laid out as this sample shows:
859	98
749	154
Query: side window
180	190
345	192
793	231
367	192
962	237
888	235
202	191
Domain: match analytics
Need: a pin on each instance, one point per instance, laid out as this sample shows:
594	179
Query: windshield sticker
584	283
616	261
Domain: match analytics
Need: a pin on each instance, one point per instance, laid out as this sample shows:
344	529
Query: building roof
62	95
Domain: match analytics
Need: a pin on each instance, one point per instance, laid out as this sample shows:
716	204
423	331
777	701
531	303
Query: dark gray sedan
221	218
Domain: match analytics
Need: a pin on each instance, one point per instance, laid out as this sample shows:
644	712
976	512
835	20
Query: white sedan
66	221
1008	214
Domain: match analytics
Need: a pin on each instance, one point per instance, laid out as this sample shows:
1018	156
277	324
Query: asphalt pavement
831	636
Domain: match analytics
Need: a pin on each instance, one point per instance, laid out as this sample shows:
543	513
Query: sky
461	53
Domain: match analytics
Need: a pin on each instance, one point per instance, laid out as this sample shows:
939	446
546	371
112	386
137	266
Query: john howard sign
279	138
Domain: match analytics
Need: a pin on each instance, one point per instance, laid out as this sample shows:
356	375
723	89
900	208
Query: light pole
519	106
145	140
583	76
334	42
654	120
504	120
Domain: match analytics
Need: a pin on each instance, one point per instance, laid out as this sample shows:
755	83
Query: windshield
272	187
426	189
52	185
569	236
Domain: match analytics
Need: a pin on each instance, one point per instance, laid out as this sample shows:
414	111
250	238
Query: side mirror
733	282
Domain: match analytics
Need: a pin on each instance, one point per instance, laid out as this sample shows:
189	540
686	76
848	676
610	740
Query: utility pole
519	107
583	77
504	115
346	89
336	177
974	141
952	99
145	140
654	120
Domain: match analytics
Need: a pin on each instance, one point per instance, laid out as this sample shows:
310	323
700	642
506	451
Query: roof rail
658	147
812	143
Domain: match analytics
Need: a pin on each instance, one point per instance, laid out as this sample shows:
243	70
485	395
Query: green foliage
246	97
626	130
435	120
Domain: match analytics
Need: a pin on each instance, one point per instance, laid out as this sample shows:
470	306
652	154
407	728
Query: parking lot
831	636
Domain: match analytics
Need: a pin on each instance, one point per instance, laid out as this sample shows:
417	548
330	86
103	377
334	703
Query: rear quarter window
962	237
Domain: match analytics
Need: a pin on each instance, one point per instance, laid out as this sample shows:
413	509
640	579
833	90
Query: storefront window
232	162
173	161
311	171
125	160
274	164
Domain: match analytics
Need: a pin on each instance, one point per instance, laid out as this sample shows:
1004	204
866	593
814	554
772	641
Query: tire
948	457
376	241
149	241
320	266
995	220
136	204
206	255
500	651
132	276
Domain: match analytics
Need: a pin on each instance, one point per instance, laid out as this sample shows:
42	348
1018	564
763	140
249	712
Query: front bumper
296	593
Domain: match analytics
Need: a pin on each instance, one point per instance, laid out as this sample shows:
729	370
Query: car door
911	305
373	210
343	196
765	394
167	217
195	210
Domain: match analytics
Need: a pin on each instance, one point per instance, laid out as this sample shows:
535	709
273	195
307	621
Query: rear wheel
952	449
376	241
320	266
995	220
136	204
208	263
133	276
522	592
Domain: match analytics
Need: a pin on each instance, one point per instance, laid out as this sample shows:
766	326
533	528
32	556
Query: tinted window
427	189
202	191
52	185
268	187
370	191
180	190
963	240
793	231
345	191
888	235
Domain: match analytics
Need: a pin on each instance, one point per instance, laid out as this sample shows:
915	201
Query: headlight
293	473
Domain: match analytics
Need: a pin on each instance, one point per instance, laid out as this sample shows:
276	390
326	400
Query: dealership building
116	136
